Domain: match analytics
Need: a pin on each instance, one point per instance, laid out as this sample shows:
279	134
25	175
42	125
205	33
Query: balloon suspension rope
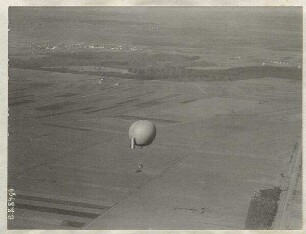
132	143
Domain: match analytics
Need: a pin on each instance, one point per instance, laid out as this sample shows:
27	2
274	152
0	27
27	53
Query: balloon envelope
143	132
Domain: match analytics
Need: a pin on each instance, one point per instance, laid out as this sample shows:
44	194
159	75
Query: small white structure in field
142	133
117	84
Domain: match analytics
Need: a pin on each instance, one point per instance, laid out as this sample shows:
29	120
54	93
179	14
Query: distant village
82	45
164	69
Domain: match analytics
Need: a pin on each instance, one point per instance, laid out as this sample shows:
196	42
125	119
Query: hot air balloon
142	133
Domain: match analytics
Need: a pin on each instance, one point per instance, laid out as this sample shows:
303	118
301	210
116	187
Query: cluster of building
82	45
283	63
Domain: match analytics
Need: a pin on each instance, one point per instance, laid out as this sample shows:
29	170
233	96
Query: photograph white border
4	4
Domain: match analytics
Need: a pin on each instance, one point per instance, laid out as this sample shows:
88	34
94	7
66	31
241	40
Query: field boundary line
288	185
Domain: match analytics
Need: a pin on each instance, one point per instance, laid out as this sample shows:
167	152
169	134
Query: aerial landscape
222	85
